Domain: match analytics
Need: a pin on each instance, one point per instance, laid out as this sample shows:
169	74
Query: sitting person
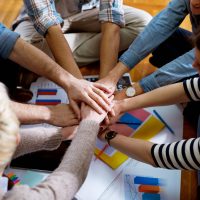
65	181
178	155
161	27
88	27
14	48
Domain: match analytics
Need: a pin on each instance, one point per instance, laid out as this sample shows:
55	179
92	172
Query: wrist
67	80
138	88
122	105
45	114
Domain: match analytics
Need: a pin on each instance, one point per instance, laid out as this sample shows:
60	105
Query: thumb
76	109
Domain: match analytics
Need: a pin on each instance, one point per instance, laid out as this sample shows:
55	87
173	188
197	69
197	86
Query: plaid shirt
44	13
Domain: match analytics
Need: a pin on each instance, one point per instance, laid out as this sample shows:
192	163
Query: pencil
102	151
163	121
136	123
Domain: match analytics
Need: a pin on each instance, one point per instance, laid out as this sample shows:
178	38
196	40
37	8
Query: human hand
93	94
116	112
62	115
90	114
119	95
107	81
69	133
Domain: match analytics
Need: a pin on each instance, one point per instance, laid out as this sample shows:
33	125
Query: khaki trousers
82	31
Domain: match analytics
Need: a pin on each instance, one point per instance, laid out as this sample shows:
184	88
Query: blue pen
163	121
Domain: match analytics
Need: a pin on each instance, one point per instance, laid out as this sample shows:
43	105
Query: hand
69	133
117	111
62	115
108	83
90	114
119	95
93	94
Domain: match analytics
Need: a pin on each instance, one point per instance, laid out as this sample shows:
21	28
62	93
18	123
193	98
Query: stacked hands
89	101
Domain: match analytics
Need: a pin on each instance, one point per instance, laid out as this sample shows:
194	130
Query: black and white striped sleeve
184	154
192	88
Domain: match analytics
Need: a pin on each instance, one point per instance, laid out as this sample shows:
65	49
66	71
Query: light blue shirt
7	41
158	30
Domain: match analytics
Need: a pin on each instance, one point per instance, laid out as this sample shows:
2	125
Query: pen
102	151
136	123
164	122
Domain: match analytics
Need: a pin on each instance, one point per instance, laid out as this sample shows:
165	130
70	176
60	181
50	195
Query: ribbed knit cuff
93	125
53	142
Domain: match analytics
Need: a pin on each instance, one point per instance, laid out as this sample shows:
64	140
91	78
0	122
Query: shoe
21	95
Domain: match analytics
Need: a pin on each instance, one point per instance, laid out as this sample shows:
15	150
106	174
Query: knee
136	17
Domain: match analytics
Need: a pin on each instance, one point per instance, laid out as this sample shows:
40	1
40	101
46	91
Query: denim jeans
174	71
177	44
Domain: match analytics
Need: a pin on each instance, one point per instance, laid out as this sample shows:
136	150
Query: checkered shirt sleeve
43	14
112	11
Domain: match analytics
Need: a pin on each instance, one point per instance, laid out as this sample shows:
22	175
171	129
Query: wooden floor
9	10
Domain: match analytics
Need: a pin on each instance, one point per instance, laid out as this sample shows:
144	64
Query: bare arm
135	148
61	50
35	60
114	75
78	90
109	47
166	95
59	115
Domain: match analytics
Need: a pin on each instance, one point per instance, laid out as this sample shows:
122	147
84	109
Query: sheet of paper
102	179
120	190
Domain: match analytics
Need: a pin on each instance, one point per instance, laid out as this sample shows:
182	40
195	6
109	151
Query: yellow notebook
138	124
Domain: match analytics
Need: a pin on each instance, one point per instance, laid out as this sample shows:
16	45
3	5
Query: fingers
101	95
103	87
112	113
92	103
106	120
73	122
100	101
76	109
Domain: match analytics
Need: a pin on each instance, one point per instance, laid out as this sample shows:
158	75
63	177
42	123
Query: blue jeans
176	56
177	44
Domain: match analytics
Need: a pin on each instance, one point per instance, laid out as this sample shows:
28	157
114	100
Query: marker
102	151
163	121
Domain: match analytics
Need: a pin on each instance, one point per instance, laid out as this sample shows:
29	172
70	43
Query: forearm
35	60
166	95
30	114
117	72
109	47
61	50
38	138
134	148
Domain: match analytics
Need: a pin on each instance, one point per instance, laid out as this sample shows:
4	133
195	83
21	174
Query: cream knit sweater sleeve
38	138
65	181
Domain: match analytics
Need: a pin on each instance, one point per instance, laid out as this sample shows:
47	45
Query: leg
172	72
86	45
176	45
30	35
